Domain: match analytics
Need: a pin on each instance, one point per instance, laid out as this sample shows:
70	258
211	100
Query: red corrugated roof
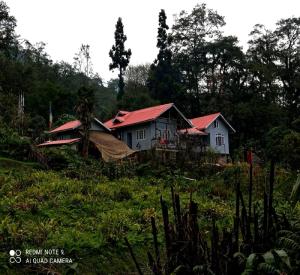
204	121
67	126
60	142
192	131
138	116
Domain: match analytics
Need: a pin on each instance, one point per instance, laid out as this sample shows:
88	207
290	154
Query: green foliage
283	145
119	56
64	118
289	240
81	211
61	157
12	145
295	194
162	81
291	145
136	96
7	27
271	262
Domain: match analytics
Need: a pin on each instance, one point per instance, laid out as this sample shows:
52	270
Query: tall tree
262	59
162	81
7	28
119	56
84	111
288	50
192	33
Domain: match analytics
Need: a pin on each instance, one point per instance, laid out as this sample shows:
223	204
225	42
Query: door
129	140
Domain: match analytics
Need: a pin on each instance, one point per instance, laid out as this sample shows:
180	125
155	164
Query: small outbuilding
101	140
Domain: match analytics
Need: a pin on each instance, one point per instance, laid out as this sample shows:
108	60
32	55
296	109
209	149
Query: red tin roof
59	142
204	121
71	125
124	118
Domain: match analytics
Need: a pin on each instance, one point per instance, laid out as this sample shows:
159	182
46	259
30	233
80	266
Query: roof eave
128	125
102	124
187	120
64	130
228	124
233	130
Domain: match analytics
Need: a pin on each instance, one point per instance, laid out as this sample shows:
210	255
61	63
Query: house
101	140
215	130
165	127
153	127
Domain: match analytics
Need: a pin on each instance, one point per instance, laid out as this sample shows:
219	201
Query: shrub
60	158
122	195
12	145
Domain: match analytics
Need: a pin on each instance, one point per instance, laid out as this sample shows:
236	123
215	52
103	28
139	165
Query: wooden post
133	257
157	256
237	209
165	215
271	187
250	190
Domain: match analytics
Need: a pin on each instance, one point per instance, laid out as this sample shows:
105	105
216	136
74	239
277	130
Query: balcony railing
165	144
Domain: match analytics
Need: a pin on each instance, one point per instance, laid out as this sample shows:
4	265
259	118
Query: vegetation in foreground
90	218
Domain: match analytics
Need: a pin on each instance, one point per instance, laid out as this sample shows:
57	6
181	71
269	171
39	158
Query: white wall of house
220	131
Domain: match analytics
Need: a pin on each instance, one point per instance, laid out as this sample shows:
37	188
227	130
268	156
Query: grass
89	219
6	163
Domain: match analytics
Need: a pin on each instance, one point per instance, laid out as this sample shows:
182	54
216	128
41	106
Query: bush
283	145
12	145
61	158
122	195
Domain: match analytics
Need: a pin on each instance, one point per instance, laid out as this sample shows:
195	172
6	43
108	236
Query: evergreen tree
119	56
162	82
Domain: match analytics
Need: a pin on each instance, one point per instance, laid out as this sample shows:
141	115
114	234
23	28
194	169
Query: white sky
66	24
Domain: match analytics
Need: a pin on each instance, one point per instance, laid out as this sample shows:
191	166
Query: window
216	124
141	134
219	139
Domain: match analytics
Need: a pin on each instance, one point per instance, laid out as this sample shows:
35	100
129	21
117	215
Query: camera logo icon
15	256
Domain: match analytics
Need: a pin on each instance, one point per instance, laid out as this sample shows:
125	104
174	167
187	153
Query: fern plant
289	240
271	262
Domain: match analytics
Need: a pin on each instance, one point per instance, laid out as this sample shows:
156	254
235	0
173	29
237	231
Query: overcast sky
66	24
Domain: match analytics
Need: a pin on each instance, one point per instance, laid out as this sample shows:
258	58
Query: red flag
249	157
